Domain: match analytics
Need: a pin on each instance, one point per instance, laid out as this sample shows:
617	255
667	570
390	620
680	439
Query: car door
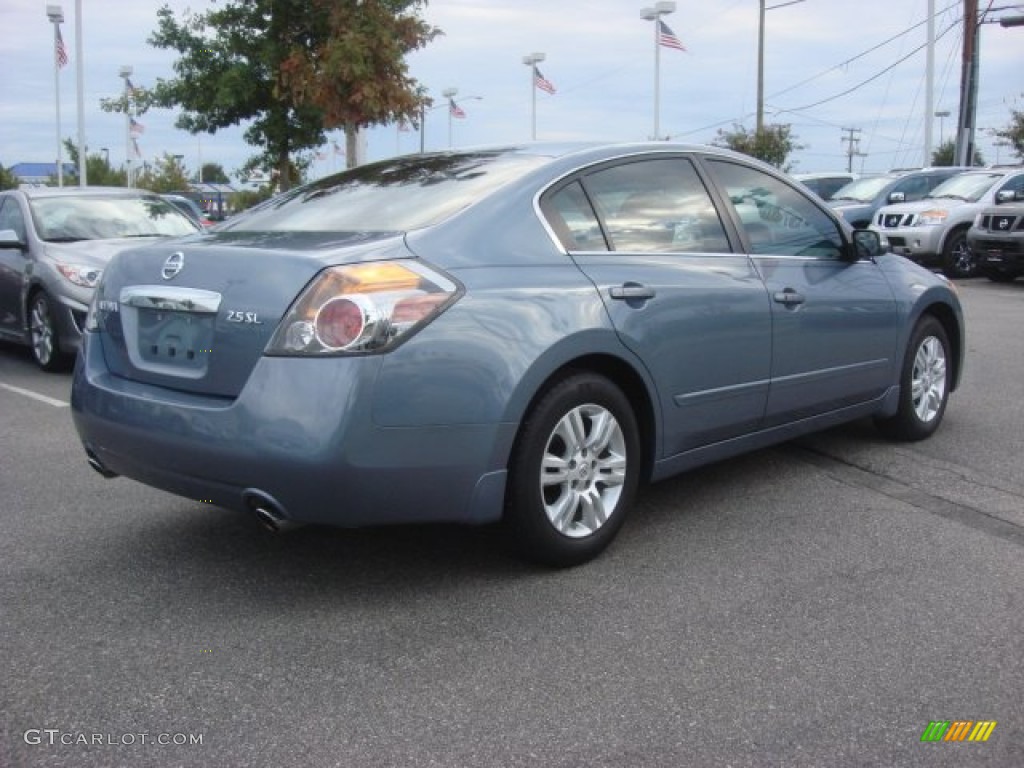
649	237
834	320
12	267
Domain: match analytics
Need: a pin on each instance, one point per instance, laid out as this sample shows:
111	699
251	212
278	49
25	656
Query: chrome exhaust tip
96	464
269	513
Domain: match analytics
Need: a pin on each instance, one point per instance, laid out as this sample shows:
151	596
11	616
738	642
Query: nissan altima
519	335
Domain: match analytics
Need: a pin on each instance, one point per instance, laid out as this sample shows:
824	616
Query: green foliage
292	68
773	145
7	179
945	154
1013	133
247	198
213	173
98	172
166	174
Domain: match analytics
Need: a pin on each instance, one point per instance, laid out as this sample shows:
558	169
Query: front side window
656	206
776	217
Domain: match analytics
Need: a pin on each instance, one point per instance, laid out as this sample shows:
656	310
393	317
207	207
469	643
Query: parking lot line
35	396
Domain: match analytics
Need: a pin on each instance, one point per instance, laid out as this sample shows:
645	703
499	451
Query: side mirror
9	239
867	244
1008	196
897	197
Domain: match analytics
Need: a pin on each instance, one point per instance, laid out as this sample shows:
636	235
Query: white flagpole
80	84
56	15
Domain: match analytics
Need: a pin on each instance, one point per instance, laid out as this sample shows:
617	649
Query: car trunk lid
197	315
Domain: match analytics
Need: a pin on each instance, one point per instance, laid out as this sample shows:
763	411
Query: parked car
54	244
825	185
859	201
520	334
190	208
933	231
997	239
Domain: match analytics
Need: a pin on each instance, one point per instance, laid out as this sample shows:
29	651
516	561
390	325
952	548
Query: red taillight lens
362	308
339	323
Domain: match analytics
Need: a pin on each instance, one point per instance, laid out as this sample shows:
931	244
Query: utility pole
968	87
852	140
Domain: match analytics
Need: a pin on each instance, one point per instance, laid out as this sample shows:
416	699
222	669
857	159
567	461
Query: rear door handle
628	291
789	297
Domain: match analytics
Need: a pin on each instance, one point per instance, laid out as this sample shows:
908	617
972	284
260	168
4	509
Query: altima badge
174	264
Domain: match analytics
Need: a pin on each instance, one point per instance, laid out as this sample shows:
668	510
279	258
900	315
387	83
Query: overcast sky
600	57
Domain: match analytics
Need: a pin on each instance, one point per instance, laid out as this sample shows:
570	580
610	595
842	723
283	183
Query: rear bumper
300	432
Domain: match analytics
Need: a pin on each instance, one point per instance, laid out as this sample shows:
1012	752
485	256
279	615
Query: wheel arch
948	320
623	375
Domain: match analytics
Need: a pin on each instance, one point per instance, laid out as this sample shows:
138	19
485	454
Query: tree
213	173
774	144
7	179
945	154
98	172
294	68
1014	133
166	174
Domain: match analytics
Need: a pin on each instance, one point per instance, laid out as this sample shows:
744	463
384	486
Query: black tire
958	259
43	336
1000	276
924	384
565	510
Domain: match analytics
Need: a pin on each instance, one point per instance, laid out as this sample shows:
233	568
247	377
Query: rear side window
650	206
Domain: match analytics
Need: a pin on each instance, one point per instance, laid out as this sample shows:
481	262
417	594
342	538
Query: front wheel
42	325
958	259
924	384
573	473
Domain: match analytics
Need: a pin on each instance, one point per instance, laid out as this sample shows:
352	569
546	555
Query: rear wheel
958	259
924	384
574	472
43	334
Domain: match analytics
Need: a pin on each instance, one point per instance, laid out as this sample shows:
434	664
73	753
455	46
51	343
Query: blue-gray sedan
517	334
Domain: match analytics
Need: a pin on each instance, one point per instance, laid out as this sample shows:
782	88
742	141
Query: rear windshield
392	196
68	219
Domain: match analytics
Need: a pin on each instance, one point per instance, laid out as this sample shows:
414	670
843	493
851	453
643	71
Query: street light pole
532	61
654	14
941	114
56	15
760	57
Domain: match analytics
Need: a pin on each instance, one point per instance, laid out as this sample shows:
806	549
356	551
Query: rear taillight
362	308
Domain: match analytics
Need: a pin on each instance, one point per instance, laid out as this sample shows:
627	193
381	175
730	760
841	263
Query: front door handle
632	291
789	297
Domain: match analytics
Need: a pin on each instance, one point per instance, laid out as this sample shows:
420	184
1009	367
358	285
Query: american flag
542	82
455	110
62	52
131	88
135	147
668	38
135	128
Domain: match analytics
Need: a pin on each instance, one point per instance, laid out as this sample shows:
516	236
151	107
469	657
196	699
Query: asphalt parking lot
815	604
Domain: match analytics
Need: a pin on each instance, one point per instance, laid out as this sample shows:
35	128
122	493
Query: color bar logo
958	730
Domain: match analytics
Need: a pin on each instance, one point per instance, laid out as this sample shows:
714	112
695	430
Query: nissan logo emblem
173	265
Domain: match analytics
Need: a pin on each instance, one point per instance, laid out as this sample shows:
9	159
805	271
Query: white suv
933	231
